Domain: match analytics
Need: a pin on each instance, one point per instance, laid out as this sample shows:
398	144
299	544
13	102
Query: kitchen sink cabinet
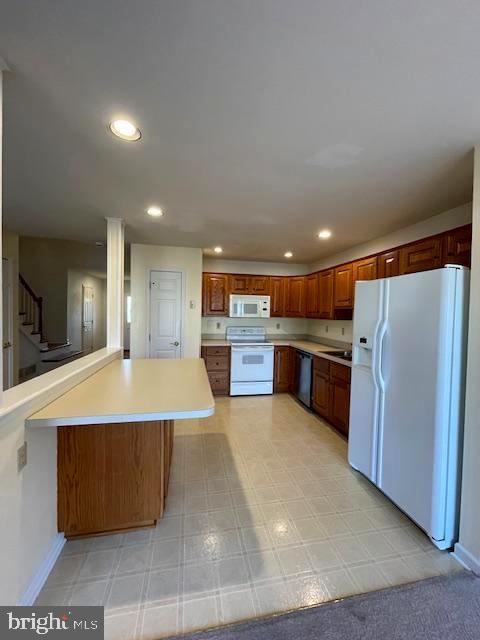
343	296
388	264
311	296
277	296
457	246
283	369
331	392
321	387
215	294
217	362
295	297
421	256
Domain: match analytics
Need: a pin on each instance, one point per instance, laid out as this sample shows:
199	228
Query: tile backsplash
274	326
339	330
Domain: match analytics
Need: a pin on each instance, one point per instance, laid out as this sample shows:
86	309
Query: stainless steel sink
344	355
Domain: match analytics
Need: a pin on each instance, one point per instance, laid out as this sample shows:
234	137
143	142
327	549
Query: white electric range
251	368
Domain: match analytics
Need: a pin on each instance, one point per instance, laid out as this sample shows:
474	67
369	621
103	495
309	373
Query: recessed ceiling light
288	254
155	212
218	249
324	234
125	130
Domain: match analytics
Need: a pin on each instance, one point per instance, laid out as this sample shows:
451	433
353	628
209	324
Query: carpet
442	608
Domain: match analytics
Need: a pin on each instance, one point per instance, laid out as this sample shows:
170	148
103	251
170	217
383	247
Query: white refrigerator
407	393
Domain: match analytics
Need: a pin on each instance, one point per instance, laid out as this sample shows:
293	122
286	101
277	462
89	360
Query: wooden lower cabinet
321	387
112	477
217	362
331	392
283	369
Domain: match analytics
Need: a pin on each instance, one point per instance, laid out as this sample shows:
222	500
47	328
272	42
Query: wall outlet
22	456
326	328
278	325
343	331
219	326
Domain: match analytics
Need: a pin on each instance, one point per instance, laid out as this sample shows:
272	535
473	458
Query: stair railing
31	305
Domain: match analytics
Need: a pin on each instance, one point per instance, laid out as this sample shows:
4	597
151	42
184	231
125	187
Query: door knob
175	344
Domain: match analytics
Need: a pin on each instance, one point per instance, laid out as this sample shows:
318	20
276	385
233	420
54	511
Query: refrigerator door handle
379	364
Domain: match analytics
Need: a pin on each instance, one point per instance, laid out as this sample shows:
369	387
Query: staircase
38	355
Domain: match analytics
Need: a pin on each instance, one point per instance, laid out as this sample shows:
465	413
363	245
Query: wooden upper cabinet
421	256
365	269
343	296
311	296
325	294
457	246
388	264
277	296
239	284
215	294
295	297
259	285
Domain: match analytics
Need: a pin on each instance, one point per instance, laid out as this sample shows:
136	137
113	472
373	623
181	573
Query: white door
165	314
417	367
88	314
7	324
366	398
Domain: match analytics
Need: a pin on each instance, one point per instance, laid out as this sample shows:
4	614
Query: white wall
437	224
76	280
340	330
468	547
260	268
147	257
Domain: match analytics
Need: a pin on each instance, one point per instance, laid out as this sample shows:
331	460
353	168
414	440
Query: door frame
165	269
8	384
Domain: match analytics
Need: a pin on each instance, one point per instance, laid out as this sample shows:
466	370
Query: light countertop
314	348
133	391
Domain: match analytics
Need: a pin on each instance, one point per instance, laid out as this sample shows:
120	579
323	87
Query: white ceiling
263	120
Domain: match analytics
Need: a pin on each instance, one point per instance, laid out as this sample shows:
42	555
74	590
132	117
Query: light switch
22	456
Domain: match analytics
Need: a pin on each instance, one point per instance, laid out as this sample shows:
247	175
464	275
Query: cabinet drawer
340	371
321	364
215	351
219	381
217	363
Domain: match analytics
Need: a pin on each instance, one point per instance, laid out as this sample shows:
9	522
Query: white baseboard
466	558
39	579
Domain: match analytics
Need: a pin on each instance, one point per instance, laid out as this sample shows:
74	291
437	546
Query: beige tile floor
264	514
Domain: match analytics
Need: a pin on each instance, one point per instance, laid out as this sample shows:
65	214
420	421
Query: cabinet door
239	284
343	297
325	294
457	246
277	297
259	285
321	393
282	375
365	269
421	256
295	297
340	404
215	294
311	295
388	264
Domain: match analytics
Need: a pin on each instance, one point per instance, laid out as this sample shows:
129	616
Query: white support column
3	68
115	281
467	548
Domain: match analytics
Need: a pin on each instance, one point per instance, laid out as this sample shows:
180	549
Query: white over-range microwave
249	306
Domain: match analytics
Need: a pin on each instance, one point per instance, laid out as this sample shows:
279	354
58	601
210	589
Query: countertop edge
120	418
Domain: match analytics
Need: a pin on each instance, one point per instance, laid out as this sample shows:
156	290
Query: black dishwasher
303	375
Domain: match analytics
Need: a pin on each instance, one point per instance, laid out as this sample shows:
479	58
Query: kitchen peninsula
115	441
